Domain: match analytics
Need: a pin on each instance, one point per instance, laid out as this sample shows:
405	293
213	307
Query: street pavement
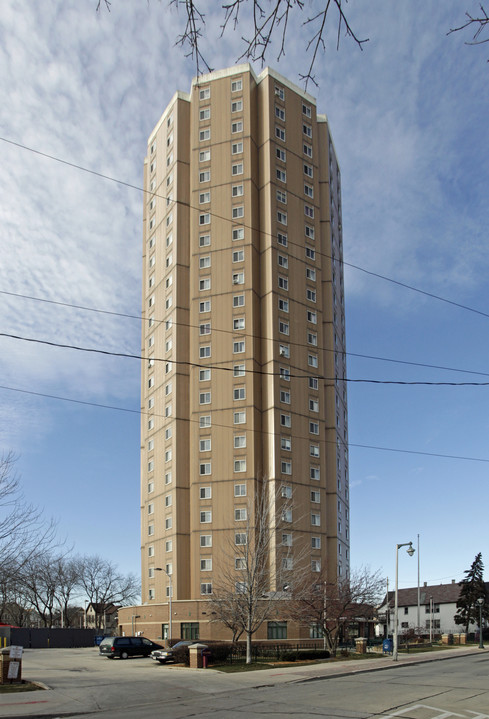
80	682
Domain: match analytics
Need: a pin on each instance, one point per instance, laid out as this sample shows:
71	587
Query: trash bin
387	646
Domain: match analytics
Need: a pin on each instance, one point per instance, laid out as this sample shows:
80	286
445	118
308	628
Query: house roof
441	594
103	608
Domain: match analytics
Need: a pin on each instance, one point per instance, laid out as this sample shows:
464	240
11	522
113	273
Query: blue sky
409	121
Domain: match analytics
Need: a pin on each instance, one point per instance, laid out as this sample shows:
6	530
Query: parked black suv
124	647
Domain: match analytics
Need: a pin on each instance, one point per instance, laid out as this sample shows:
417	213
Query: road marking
437	713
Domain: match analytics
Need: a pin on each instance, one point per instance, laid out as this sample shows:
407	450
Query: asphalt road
88	685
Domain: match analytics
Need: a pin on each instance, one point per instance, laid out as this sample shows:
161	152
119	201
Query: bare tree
275	21
24	532
104	584
39	584
332	606
258	565
479	24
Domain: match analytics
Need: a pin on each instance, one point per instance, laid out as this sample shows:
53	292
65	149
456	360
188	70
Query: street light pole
160	569
480	601
410	551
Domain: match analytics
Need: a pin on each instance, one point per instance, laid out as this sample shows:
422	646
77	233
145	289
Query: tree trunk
248	646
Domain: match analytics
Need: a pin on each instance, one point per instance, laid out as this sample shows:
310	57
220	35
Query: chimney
453	581
425	584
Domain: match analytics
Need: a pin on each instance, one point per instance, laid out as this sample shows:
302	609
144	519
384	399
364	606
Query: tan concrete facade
243	332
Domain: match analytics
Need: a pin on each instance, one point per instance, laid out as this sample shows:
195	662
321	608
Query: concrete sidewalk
100	686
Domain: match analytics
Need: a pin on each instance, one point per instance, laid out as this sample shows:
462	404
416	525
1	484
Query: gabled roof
440	593
103	608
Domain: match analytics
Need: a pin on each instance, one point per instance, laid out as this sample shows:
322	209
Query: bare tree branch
479	23
332	605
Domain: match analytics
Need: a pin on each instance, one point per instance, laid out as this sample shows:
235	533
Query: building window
204	94
282	239
205	588
204	375
312	360
281	175
204	421
238	278
204	446
237	169
307	149
237	212
205	328
205	218
239	441
284	373
238	370
314	450
238	347
204	155
280	132
315	565
204	351
236	85
204	398
169	545
206	565
315	519
285	396
309	211
307	130
205	306
313	405
286	467
206	540
276	630
238	301
239	393
204	240
205	113
310	253
204	468
205	283
237	190
240	417
312	317
237	106
308	170
280	112
238	255
315	497
237	126
282	197
205	134
282	217
238	233
283	261
189	630
240	538
315	542
280	153
308	190
204	197
285	420
240	490
283	305
279	92
286	539
286	444
240	514
206	517
240	465
236	148
314	427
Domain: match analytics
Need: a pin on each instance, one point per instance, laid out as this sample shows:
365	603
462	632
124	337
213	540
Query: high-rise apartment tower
244	331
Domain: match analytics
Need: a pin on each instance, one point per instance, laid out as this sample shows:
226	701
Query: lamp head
481	601
410	550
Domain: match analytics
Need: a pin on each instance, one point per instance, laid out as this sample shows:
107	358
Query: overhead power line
227	219
231	369
232	428
244	334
